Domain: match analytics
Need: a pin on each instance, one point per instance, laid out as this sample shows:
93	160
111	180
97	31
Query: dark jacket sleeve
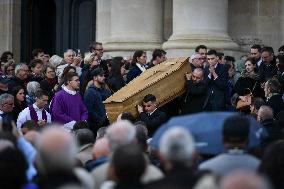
133	72
153	121
222	79
197	88
95	107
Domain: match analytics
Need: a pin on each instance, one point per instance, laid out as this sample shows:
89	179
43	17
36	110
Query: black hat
4	80
97	71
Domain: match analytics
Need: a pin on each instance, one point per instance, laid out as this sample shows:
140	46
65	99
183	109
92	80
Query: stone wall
10	30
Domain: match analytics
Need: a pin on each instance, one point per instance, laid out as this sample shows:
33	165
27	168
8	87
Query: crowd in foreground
55	132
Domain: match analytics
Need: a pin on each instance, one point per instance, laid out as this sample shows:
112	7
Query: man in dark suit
216	78
273	94
150	114
196	92
97	48
267	68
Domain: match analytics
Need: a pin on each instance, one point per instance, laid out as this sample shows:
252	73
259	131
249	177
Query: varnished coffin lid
147	78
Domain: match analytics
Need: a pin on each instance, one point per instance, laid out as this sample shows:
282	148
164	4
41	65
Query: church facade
124	26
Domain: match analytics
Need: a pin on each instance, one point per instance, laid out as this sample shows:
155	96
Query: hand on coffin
139	108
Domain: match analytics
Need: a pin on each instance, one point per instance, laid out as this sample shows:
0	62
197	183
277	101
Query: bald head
243	180
101	148
197	75
56	149
264	113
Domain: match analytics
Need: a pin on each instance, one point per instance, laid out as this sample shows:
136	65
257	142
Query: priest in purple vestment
67	106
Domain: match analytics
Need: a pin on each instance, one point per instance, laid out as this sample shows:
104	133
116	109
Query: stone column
282	20
103	20
135	24
198	22
10	30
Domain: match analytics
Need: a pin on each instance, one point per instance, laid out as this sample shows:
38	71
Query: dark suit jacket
153	121
276	103
216	94
178	177
273	131
280	78
195	97
267	71
133	72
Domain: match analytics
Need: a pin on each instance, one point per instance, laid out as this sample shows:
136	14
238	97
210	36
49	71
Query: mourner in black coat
216	79
196	92
137	65
274	97
150	114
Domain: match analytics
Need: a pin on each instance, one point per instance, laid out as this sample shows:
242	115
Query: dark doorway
38	27
83	28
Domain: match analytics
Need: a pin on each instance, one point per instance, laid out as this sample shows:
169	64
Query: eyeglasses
99	49
9	70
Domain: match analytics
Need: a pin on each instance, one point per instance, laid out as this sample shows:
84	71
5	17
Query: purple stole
34	115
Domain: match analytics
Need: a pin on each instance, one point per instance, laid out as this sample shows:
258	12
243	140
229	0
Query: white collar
68	91
152	112
236	151
142	68
37	108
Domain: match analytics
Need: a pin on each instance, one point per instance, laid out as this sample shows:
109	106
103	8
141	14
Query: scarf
253	76
34	115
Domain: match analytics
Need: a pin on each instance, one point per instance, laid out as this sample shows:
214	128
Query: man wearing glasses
98	49
196	61
6	108
67	106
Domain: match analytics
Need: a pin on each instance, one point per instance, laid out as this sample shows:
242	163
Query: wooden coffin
166	81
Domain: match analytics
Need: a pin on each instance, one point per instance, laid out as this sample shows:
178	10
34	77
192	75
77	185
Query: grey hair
120	133
68	50
177	145
33	87
56	149
265	112
84	136
19	67
4	97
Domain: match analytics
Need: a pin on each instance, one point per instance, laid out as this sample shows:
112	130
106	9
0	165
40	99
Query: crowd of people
55	131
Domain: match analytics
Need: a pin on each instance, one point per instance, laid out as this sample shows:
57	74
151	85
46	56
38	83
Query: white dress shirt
25	115
142	68
1	112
